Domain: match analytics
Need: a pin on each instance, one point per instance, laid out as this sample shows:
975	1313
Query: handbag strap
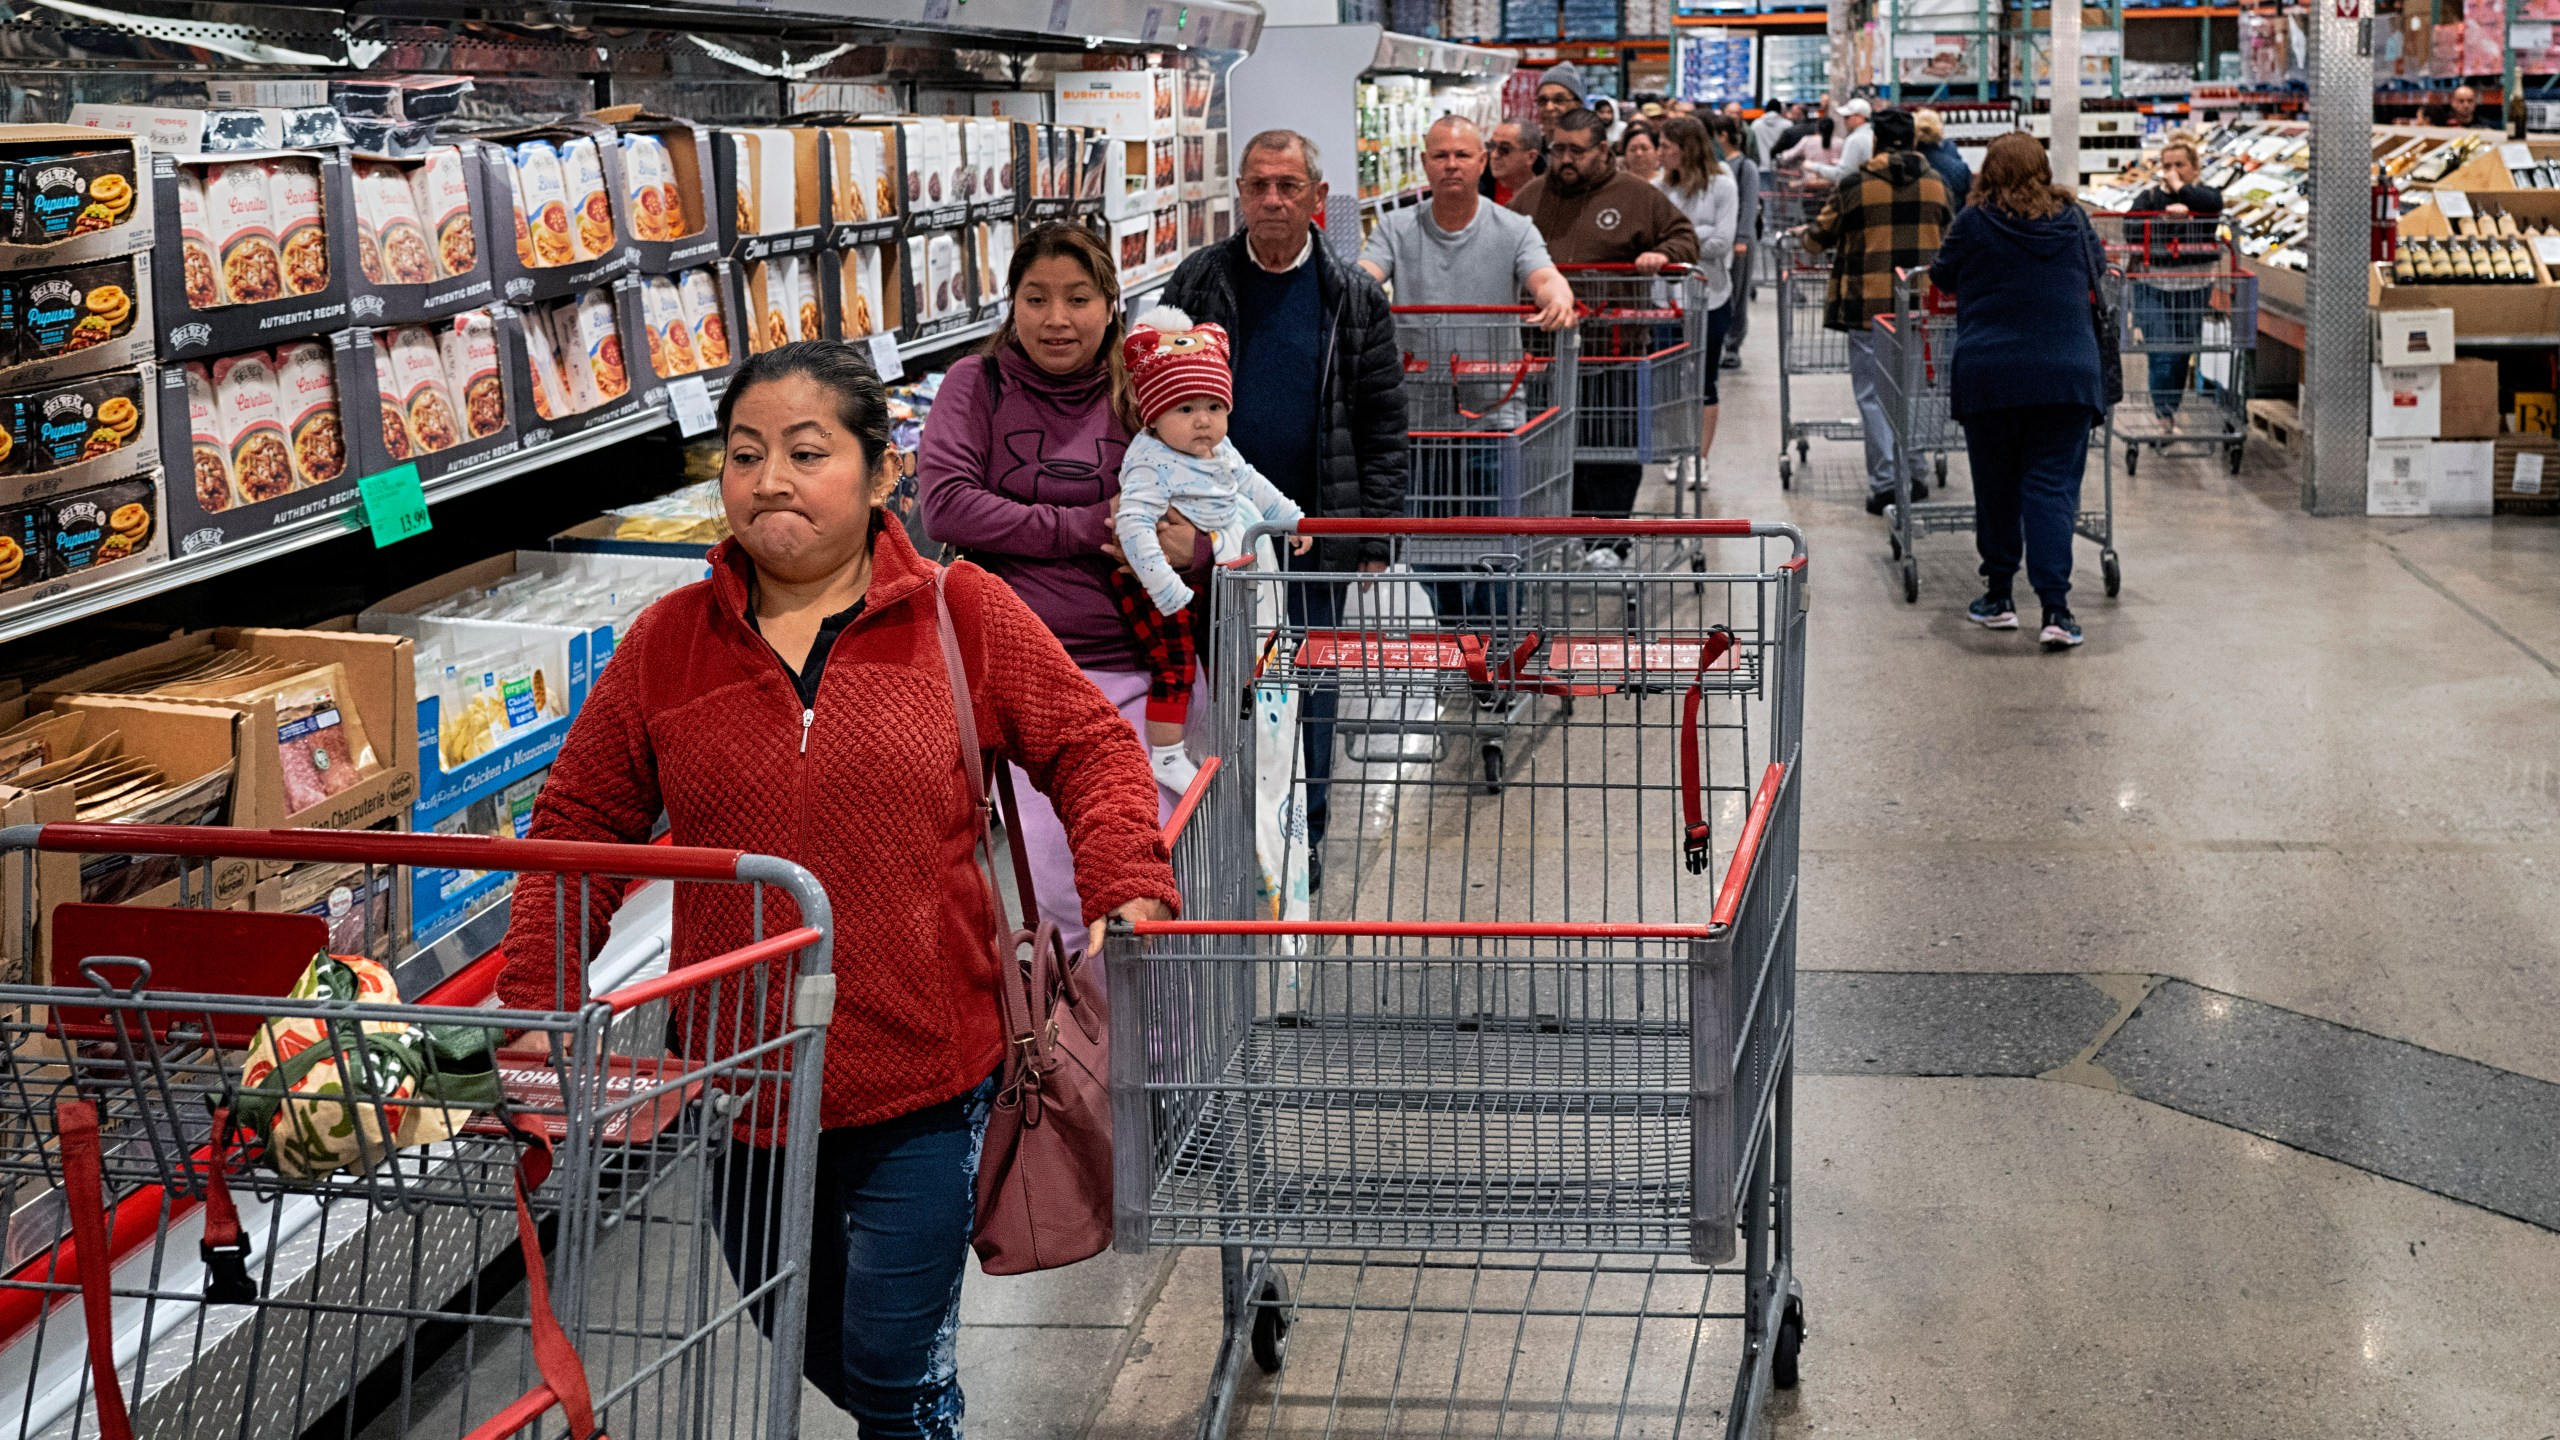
1018	985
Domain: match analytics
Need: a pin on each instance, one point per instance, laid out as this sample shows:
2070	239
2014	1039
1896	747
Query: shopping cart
1915	360
160	1284
1784	210
1806	346
1489	408
1493	1130
2190	339
1643	387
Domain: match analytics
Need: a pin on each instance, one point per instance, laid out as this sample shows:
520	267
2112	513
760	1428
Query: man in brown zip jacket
1592	213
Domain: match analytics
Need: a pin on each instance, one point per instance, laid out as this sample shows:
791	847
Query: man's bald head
1454	127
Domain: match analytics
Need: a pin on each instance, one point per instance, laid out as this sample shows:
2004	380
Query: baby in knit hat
1183	462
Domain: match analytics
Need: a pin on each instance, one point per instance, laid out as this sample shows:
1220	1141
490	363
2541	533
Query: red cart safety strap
1512	676
224	1249
1519	374
553	1355
1697	844
84	1187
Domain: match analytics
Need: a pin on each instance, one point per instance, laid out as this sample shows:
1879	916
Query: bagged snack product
670	342
803	282
773	326
470	342
850	155
237	200
648	178
546	202
403	236
742	147
502	164
700	292
543	361
590	206
442	190
212	458
600	336
293	195
577	366
395	416
310	381
250	401
97	527
861	275
67	423
195	243
417	370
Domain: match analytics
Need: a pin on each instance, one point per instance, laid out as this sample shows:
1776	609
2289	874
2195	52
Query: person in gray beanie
1560	90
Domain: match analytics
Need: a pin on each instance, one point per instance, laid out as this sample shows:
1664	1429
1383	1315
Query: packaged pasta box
250	401
542	361
406	259
309	379
396	440
590	205
546	202
240	204
470	342
599	331
441	188
577	368
670	340
648	182
699	290
417	372
204	426
100	526
195	243
302	237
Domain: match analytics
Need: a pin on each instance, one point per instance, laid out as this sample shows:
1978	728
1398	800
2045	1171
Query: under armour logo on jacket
1082	480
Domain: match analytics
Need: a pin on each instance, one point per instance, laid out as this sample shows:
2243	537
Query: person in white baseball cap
1857	142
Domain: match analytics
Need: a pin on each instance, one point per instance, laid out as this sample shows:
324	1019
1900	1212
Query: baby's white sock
1173	767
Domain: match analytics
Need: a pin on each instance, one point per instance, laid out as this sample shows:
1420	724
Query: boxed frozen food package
307	375
649	183
1195	224
864	183
947	269
738	180
397	443
418	378
471	369
863	303
670	340
546	384
250	402
302	235
776	180
67	423
700	290
71	193
1132	245
443	191
676	189
242	209
75	320
1168	239
591	228
546	202
1222	220
995	262
385	198
506	171
101	525
201	276
799	277
211	471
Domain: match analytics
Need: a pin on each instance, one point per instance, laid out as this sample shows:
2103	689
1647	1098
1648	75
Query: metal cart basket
176	1268
1508	1128
1643	345
2190	339
1806	346
1489	415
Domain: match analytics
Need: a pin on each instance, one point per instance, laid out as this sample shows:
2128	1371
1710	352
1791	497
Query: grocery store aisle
2254	881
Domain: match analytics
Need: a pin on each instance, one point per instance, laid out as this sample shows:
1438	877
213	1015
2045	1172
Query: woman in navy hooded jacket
2021	261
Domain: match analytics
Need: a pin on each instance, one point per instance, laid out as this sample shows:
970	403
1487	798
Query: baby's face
1194	426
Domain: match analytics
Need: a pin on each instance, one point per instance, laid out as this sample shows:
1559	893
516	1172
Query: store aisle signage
395	505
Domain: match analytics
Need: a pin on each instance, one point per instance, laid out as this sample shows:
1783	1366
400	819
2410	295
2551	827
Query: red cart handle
383	847
75	1122
1508	525
1676	270
1697	842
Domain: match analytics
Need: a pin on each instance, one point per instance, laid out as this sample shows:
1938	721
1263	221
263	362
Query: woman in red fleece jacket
797	704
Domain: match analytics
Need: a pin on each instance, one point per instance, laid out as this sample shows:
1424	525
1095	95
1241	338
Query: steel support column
2338	336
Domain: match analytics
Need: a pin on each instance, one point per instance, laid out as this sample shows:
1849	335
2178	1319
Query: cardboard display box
779	176
36	196
865	293
2478	310
381	687
186	332
387	303
46	418
518	282
202	513
2469	407
374	445
2527	477
866	166
696	237
187	741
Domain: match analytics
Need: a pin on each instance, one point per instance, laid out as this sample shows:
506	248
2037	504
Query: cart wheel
2132	458
2115	574
1786	472
1942	472
1492	769
1271	1326
2231	459
1910	581
1788	1350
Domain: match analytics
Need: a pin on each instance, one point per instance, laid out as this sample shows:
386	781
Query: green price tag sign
395	505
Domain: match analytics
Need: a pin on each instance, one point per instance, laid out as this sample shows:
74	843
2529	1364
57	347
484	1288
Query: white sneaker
1173	767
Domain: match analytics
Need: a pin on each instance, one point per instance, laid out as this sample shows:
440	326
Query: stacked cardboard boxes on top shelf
1167	161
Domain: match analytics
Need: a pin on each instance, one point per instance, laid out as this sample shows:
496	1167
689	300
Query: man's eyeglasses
1284	188
1573	152
1505	147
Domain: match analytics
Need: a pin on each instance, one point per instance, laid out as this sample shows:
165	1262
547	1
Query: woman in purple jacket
1019	469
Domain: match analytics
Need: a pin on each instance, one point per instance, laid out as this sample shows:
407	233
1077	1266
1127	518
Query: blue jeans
1875	422
2027	464
888	1247
2172	325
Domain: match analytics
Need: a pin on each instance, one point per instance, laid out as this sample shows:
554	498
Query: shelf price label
885	357
395	505
690	398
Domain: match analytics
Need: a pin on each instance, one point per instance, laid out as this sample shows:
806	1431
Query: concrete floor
2303	762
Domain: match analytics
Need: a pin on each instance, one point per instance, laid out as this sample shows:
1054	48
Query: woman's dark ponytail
842	370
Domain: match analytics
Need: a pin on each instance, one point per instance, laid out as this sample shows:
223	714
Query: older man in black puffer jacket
1319	385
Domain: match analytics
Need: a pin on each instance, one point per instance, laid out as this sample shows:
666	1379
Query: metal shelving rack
733	61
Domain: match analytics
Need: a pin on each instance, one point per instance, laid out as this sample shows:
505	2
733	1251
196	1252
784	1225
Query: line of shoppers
1706	192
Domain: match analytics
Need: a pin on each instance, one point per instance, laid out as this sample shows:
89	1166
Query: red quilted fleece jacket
696	715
